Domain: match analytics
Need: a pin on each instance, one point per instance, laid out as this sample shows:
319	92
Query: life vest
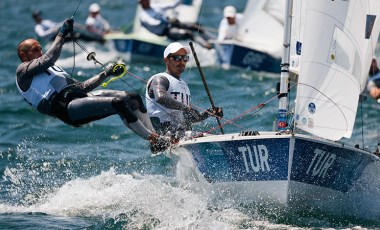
178	90
43	87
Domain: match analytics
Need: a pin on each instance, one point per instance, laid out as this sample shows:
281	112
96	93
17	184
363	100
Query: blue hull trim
241	57
140	49
312	162
327	166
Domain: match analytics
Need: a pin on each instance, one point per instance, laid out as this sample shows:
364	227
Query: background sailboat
141	44
258	43
303	166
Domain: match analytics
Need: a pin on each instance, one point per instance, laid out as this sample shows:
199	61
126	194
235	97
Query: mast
283	96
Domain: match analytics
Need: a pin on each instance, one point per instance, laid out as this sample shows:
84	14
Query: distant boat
141	44
302	165
259	39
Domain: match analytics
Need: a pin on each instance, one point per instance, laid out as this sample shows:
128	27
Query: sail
187	11
262	26
332	46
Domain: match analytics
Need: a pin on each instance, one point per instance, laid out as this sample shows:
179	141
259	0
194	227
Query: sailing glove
67	27
115	69
215	112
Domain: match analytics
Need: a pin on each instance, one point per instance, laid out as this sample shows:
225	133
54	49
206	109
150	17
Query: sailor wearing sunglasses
168	97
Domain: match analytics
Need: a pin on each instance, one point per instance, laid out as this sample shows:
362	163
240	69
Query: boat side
293	170
250	168
234	54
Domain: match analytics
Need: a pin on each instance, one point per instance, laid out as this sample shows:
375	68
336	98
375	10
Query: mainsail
332	46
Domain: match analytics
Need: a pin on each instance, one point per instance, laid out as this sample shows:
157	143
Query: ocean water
102	175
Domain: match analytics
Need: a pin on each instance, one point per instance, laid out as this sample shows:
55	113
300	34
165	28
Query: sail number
255	158
320	163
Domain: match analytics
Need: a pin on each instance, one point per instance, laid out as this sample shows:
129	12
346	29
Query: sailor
229	25
154	19
168	97
95	23
51	91
45	29
373	85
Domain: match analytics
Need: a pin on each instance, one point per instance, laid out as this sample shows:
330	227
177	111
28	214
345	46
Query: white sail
262	26
338	40
188	11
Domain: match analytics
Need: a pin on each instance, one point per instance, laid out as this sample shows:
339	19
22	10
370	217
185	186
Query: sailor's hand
215	112
115	69
67	27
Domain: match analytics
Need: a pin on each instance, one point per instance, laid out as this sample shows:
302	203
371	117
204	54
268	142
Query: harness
61	100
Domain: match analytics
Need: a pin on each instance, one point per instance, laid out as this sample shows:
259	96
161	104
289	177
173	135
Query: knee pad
135	102
123	109
118	103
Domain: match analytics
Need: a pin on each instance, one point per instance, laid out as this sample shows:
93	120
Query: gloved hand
67	27
215	112
115	69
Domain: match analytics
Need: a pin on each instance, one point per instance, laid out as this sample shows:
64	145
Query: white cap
174	47
94	7
229	11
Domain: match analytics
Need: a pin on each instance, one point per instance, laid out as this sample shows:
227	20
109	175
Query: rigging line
80	2
82	47
73	37
72	69
361	115
227	121
260	106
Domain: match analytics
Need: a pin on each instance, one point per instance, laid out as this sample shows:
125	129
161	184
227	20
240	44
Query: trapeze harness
50	93
179	91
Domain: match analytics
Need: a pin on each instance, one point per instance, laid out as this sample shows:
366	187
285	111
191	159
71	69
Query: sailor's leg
137	105
129	118
133	101
84	110
134	115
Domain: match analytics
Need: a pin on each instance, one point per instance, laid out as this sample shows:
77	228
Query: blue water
102	176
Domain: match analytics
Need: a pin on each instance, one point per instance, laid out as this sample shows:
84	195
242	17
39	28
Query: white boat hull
303	173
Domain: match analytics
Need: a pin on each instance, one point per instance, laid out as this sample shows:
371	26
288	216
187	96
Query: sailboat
258	43
303	164
141	44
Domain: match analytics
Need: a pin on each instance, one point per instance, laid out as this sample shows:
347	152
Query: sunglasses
178	58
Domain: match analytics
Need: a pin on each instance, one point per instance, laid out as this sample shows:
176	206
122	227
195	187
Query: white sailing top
47	29
227	31
98	24
44	85
178	90
154	19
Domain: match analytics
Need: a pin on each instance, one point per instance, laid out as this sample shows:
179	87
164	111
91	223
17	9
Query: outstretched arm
112	69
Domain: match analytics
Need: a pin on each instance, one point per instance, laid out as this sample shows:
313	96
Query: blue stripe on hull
139	48
246	160
242	57
313	162
327	166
